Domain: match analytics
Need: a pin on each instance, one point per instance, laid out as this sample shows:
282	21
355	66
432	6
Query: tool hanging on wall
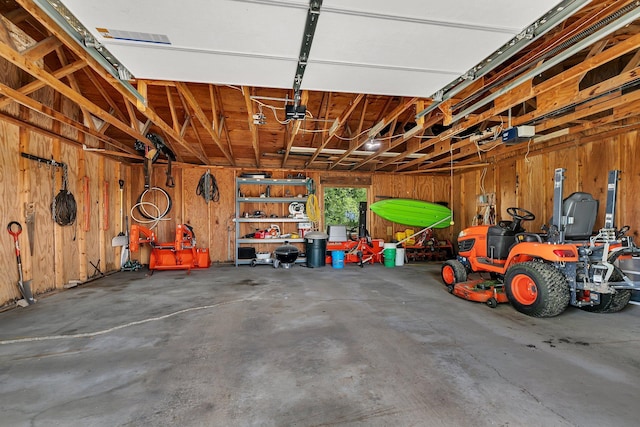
121	239
63	205
14	228
86	207
170	183
208	187
30	219
105	206
147	173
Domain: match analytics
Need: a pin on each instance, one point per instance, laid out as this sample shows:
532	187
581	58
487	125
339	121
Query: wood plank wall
527	182
62	254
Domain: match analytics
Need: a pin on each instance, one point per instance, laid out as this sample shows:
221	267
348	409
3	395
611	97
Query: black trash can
315	247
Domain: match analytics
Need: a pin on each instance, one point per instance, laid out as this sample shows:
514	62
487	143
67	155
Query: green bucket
389	254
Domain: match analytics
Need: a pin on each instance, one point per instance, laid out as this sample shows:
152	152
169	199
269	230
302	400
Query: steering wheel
515	213
519	215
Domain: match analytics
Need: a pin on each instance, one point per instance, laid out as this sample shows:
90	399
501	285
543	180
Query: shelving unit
278	200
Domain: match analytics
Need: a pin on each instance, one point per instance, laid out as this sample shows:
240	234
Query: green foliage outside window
341	205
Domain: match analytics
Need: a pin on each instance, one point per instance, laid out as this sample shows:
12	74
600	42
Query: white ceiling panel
157	63
406	47
219	26
501	15
379	81
365	40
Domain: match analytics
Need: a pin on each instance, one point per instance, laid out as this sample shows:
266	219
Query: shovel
25	287
121	239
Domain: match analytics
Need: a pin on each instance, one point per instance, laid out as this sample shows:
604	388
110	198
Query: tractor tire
619	300
537	289
453	272
611	303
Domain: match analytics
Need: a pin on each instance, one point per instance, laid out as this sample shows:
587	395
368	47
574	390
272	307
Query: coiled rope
63	206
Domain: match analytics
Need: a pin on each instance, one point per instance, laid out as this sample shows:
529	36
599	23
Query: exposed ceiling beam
246	91
172	109
418	130
92	78
50	112
202	118
517	97
15	58
49	134
337	124
77	50
62	57
389	118
38	84
42	48
222	123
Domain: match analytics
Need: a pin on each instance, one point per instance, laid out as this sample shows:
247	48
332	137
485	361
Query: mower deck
490	292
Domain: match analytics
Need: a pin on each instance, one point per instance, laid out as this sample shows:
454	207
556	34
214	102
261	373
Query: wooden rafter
202	118
339	122
221	124
50	112
38	84
72	45
357	144
415	131
172	109
255	143
517	97
50	134
42	48
15	58
389	118
116	110
62	57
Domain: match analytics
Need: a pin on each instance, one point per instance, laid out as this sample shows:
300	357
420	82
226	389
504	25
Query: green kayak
414	213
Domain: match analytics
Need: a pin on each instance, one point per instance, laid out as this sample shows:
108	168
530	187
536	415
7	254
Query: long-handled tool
121	239
14	228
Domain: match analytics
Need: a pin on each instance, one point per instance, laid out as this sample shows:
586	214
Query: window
341	206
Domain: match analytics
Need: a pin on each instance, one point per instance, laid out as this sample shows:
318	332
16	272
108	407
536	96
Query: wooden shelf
266	220
271	199
278	240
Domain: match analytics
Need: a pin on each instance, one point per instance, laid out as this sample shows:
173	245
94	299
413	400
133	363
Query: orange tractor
541	274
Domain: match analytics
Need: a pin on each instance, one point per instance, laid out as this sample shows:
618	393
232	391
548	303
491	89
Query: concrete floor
309	347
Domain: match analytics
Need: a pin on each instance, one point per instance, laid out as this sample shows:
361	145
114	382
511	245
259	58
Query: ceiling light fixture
372	144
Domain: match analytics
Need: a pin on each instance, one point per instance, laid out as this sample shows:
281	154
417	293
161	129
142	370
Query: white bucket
399	256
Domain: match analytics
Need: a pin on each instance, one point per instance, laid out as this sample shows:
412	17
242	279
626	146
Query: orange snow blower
181	254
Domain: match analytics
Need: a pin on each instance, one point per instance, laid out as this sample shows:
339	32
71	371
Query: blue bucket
337	259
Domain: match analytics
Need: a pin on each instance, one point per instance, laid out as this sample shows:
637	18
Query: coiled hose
141	207
312	208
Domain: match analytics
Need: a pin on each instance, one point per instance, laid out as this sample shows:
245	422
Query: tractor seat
499	241
579	212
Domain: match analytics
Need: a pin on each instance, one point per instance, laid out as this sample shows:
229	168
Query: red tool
181	254
25	287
